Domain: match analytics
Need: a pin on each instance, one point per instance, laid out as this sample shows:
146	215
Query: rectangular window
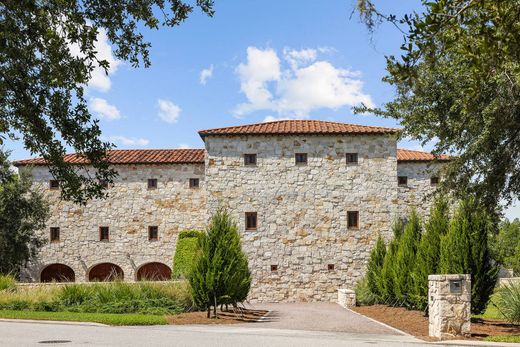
194	182
274	268
54	184
55	234
330	267
103	234
434	181
251	221
402	180
153	233
249	159
352	158
152	183
300	158
353	219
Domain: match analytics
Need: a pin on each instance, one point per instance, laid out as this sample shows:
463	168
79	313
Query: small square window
330	267
152	183
434	181
352	158
194	182
402	180
300	158
55	234
250	159
274	268
103	184
353	219
54	184
251	221
153	233
103	233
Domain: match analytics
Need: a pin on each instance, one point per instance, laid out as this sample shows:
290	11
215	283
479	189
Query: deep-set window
194	182
152	183
153	233
434	181
249	159
54	184
353	219
274	268
55	234
402	180
330	267
251	220
104	234
300	158
352	158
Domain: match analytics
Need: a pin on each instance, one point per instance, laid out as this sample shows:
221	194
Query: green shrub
220	274
364	295
374	277
387	271
185	253
508	302
7	282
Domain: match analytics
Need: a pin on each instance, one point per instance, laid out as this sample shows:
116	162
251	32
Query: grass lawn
503	338
104	318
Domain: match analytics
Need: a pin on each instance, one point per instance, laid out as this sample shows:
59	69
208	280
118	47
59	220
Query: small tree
387	270
220	274
428	252
375	268
405	259
185	253
22	212
464	249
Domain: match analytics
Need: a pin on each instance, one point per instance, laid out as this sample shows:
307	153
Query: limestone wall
302	210
130	208
417	192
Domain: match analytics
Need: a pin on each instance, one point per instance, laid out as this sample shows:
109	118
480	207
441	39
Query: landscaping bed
224	317
416	323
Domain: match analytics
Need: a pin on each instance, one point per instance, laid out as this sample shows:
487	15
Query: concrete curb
44	321
381	323
475	343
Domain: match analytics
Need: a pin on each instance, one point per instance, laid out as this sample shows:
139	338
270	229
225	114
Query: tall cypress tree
428	252
220	274
375	267
387	270
464	250
405	258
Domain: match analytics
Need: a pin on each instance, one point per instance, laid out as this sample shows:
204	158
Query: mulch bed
224	317
416	323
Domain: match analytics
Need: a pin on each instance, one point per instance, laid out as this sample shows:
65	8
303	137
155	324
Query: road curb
381	323
45	321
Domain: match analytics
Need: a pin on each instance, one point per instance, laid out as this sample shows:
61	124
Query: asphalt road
44	334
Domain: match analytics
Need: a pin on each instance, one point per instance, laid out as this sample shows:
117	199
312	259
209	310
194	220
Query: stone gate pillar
449	304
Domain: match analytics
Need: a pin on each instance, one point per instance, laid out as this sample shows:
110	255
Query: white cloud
100	80
184	146
103	109
168	111
273	119
308	84
206	74
128	141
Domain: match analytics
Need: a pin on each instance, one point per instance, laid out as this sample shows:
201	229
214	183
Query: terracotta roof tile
409	155
298	127
134	156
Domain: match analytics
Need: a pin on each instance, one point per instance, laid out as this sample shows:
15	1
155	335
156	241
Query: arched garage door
154	272
57	273
105	272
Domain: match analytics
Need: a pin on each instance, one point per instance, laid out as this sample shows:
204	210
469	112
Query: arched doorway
57	273
154	272
105	272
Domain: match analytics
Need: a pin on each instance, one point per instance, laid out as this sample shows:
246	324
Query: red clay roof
409	155
298	127
134	156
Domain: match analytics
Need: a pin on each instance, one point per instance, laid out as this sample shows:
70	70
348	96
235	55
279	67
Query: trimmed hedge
185	252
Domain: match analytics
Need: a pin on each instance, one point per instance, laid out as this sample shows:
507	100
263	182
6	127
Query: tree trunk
209	311
215	305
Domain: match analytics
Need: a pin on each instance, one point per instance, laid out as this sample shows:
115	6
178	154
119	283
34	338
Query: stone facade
128	211
302	248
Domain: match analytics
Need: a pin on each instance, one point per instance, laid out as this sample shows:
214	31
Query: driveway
318	316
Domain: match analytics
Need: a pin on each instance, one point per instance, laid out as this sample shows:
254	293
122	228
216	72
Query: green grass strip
103	318
503	338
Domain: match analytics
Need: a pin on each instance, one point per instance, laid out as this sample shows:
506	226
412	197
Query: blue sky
253	61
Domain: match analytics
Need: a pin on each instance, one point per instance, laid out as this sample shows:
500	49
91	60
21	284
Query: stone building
309	197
